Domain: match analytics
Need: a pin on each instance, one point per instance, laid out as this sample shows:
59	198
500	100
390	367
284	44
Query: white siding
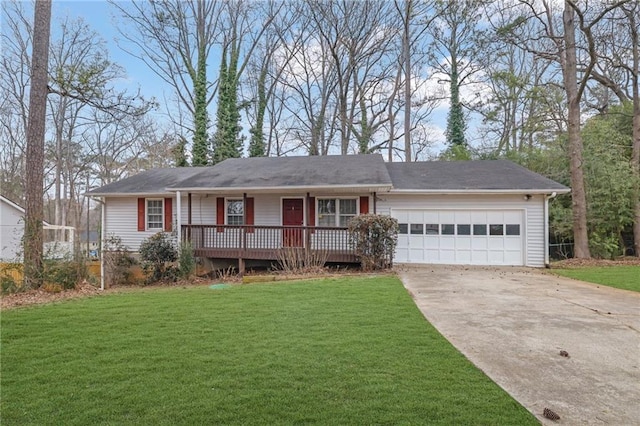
533	213
11	232
203	209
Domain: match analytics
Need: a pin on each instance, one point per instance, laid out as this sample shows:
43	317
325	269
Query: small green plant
186	261
156	252
117	262
8	284
374	238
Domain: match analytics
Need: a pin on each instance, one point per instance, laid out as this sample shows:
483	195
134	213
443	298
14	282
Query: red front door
292	215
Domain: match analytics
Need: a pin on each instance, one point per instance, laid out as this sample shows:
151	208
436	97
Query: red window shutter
168	214
364	205
249	214
220	213
142	225
312	212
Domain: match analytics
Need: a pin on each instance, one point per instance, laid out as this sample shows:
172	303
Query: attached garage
469	212
466	237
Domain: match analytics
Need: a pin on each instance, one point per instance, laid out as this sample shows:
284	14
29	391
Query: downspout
546	228
103	232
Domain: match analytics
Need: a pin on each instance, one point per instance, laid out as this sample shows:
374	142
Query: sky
101	17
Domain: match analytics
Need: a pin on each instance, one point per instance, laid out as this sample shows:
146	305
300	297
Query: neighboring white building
469	212
12	231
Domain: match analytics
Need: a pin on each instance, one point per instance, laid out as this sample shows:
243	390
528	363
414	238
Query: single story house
490	212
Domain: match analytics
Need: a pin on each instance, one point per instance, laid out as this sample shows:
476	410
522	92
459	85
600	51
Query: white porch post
179	216
103	233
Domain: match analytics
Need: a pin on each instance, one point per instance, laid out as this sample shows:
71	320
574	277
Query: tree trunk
407	81
635	152
33	269
578	193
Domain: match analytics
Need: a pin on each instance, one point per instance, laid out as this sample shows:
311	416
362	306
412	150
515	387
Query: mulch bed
580	263
36	297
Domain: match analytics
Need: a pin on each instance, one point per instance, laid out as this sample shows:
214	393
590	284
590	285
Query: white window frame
226	211
146	214
337	209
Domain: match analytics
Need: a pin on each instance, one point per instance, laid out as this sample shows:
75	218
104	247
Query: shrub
117	262
155	252
186	261
374	238
66	272
296	260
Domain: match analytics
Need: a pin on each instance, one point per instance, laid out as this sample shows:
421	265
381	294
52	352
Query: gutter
478	191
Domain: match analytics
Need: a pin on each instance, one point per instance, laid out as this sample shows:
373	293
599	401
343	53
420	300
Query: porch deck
256	242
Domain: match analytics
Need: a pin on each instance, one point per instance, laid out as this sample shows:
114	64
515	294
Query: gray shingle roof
154	181
491	175
357	171
278	172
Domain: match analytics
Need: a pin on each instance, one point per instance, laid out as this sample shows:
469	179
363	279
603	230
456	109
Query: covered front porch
271	226
255	242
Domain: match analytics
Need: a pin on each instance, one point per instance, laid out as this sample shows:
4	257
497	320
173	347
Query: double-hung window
155	214
336	211
235	212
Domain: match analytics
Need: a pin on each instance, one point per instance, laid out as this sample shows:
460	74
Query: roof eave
287	189
130	194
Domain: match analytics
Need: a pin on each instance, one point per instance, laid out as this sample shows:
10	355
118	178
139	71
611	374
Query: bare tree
178	55
33	243
556	40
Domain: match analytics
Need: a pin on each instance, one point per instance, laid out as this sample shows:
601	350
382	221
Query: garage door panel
416	241
416	216
463	257
432	256
462	217
479	257
432	242
431	217
447	256
416	255
463	243
447	243
496	257
478	237
479	243
447	217
512	244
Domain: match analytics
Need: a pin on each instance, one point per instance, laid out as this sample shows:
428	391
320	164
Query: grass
624	277
334	351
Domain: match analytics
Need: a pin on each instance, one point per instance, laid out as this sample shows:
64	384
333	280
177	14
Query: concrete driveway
512	323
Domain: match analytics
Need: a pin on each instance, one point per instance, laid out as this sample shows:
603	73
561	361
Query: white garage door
462	237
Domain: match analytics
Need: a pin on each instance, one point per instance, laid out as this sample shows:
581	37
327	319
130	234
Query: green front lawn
334	351
624	277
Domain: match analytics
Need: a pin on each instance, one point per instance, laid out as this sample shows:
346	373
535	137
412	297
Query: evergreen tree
199	149
456	125
227	142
